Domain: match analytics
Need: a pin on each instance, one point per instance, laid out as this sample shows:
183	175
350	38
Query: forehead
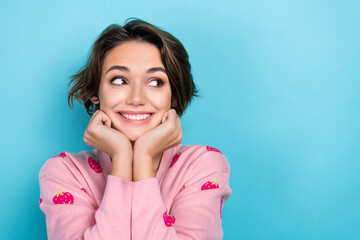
134	55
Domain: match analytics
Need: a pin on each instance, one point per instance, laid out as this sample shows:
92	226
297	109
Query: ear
95	100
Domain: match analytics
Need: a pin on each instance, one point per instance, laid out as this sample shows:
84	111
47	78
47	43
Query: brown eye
156	82
118	80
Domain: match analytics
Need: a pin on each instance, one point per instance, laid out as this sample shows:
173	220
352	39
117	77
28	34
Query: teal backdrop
279	84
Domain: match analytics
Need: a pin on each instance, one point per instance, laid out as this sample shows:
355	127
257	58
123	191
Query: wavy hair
173	56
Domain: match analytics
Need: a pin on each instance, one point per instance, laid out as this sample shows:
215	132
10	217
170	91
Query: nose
136	95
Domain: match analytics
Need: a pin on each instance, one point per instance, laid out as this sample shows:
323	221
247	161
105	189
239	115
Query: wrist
123	152
121	167
143	169
142	152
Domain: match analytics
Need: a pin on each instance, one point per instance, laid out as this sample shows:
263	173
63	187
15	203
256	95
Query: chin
133	136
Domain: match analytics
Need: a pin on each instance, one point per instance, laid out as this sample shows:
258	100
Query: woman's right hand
101	136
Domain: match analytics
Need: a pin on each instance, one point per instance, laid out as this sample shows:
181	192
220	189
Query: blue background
280	97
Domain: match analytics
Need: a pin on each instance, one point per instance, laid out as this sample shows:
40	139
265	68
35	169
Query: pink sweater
81	200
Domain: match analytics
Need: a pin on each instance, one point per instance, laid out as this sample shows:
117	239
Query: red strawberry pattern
183	187
175	158
83	189
40	201
169	220
63	198
210	185
94	164
221	204
62	154
212	149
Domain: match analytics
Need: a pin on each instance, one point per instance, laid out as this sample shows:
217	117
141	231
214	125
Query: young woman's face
134	88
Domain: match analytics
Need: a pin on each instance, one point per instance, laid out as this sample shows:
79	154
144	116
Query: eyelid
117	77
161	82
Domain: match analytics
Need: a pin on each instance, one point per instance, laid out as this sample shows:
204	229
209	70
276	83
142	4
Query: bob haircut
173	55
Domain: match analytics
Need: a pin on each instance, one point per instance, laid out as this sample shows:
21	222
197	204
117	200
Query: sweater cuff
116	202
148	205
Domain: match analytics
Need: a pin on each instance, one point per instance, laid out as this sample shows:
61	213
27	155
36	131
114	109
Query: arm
196	210
70	211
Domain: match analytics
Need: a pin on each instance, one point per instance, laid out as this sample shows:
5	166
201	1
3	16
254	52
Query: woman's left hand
166	135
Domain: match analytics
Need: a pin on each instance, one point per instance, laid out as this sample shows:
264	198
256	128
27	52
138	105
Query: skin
135	149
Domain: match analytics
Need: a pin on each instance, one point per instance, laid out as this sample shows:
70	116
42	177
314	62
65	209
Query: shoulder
202	157
67	162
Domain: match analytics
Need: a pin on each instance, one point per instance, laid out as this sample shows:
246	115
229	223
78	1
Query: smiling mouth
141	116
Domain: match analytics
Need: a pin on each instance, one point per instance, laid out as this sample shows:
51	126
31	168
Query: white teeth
135	117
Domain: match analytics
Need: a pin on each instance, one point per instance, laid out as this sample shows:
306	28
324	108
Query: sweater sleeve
196	210
70	211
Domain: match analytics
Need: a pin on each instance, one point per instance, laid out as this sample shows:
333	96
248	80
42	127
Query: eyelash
160	82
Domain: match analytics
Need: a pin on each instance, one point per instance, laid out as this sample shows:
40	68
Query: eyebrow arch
123	68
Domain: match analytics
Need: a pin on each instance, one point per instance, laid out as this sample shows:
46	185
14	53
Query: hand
100	135
168	134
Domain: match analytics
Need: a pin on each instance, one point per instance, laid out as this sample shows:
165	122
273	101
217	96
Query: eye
118	80
156	82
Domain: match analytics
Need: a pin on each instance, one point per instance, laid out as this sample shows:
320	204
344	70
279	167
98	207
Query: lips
135	117
135	112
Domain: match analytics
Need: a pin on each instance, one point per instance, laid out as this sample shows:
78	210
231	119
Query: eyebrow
123	68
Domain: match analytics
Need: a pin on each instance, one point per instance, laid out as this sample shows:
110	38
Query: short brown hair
173	55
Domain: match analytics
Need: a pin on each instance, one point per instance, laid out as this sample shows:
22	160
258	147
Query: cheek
163	100
110	99
161	103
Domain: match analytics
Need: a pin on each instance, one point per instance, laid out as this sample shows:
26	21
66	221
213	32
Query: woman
138	182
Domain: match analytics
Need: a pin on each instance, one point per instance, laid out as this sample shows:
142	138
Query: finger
166	116
94	115
106	120
176	123
179	123
171	115
103	118
174	118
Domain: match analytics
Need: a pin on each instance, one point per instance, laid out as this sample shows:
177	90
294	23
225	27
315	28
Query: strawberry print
83	189
62	154
168	219
210	185
94	164
175	158
63	198
212	149
40	201
221	202
183	187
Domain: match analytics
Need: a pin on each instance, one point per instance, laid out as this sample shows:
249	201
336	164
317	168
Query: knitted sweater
81	200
